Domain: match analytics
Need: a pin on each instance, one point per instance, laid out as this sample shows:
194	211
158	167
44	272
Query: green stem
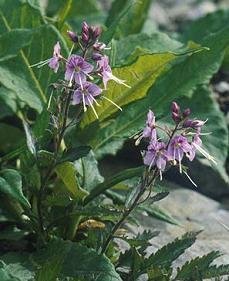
47	175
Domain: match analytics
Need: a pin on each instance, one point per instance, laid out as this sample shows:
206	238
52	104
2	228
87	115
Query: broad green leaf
11	184
133	19
139	76
132	46
67	173
73	260
102	187
206	25
181	80
11	42
30	84
91	266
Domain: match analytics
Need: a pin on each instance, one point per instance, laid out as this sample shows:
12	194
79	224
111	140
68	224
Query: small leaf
29	138
11	184
197	267
158	213
67	173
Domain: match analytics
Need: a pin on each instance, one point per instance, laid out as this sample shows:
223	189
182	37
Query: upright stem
52	166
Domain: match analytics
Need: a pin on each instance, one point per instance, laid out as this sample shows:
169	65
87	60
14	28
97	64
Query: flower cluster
182	140
85	70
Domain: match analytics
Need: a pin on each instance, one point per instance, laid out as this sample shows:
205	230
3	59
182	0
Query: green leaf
102	187
67	173
30	84
157	212
75	153
11	42
205	26
130	47
141	239
5	274
11	184
170	252
18	266
216	271
133	19
87	167
180	80
30	141
140	76
196	268
91	266
64	11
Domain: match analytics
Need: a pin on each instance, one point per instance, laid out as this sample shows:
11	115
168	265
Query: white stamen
84	105
93	109
117	80
41	63
112	103
49	102
71	78
190	179
89	76
95	101
160	172
179	160
81	84
204	153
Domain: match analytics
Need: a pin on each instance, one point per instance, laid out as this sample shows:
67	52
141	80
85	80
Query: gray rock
195	212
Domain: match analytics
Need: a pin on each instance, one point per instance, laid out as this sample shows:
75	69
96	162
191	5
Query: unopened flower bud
72	35
85	28
197	124
175	107
85	38
176	117
188	123
96	32
186	112
96	56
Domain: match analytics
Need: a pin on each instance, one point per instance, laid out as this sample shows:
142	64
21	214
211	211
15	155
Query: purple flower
54	61
150	129
78	69
196	141
86	95
106	73
156	155
177	147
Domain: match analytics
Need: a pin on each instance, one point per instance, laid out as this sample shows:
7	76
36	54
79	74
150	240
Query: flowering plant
60	219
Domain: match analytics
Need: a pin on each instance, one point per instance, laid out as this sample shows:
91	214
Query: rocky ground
194	212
